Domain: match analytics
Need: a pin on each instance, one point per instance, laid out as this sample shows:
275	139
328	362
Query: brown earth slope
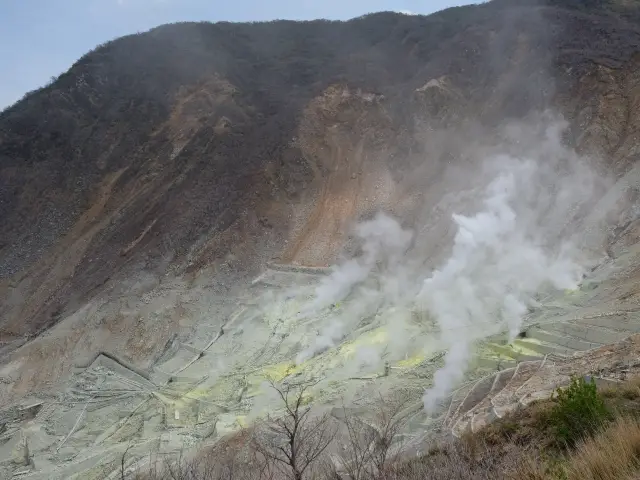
184	158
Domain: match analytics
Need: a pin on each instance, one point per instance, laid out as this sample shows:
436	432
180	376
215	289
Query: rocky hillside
166	168
162	199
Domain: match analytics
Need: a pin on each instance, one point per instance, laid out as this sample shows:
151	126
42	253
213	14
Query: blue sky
42	38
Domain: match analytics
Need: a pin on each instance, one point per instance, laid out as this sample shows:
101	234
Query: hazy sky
42	38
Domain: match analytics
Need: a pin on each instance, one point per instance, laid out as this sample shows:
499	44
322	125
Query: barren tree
295	441
236	459
218	463
369	443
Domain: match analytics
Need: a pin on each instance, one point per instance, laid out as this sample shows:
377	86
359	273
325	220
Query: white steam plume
495	268
511	243
516	245
383	244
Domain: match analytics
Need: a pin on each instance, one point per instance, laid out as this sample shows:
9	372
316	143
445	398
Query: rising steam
384	243
496	266
516	241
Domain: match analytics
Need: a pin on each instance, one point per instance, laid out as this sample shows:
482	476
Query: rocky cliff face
143	188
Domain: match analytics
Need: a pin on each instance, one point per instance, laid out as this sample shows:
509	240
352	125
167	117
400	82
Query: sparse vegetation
540	442
580	410
368	446
295	442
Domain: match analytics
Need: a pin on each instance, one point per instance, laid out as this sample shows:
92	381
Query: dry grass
452	462
522	427
629	390
613	454
624	399
529	469
470	458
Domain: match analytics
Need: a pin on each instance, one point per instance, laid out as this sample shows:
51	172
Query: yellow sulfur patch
374	337
494	351
520	346
412	361
278	372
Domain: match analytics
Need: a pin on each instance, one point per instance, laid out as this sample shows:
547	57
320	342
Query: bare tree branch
369	444
297	440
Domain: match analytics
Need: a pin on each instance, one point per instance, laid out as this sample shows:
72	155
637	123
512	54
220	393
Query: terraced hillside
192	210
213	385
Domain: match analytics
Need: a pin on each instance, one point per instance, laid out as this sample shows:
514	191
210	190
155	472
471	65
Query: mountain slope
143	189
213	110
